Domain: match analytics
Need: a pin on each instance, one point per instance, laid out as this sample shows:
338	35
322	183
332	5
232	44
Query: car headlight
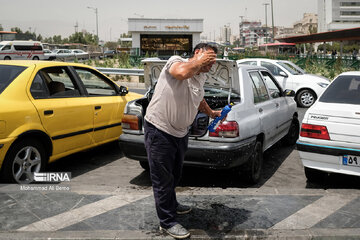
324	85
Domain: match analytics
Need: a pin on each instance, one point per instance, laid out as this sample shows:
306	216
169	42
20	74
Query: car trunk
221	87
343	123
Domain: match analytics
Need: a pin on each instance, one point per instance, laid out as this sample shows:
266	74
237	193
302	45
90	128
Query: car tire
23	159
293	134
305	98
314	175
7	58
35	58
145	165
255	163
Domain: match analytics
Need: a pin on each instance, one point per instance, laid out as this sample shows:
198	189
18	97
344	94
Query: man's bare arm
185	70
205	108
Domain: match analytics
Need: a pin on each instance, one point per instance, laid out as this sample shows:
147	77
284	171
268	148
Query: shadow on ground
83	162
200	177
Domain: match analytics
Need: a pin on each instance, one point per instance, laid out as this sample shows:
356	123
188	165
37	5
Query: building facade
164	37
307	25
226	34
253	34
7	36
338	14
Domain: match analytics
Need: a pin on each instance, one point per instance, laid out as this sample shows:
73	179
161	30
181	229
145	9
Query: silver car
262	114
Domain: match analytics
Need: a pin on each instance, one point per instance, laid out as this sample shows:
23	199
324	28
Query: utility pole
240	30
266	33
76	27
97	22
272	20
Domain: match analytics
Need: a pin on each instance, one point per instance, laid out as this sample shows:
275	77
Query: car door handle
260	110
97	107
48	112
277	105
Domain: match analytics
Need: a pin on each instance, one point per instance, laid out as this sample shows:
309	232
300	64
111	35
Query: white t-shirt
175	103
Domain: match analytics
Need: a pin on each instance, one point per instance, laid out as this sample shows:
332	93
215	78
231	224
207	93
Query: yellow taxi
53	109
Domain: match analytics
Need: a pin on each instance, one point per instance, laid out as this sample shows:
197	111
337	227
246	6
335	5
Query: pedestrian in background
178	96
354	54
226	53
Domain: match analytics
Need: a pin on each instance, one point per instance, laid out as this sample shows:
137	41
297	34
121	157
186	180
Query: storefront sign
149	27
178	27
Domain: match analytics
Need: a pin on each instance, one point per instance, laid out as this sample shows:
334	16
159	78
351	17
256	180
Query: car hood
223	73
312	78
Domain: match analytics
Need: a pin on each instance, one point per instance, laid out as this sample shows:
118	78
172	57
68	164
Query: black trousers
166	155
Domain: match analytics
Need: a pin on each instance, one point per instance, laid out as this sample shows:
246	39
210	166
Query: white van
19	50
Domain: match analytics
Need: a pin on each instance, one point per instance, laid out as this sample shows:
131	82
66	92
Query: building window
350	4
165	45
350	13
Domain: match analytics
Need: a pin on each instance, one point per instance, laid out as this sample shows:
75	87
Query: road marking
80	214
313	213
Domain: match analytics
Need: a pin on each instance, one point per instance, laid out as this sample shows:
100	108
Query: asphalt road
110	197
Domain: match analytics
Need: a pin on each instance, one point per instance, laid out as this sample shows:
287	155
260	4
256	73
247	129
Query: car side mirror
289	93
283	74
123	91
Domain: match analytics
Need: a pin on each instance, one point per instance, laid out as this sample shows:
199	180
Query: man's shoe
183	209
177	231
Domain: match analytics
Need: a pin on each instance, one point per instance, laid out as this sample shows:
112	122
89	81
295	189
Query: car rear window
7	74
344	89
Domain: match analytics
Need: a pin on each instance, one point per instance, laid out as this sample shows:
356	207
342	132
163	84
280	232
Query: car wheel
24	159
7	58
305	98
144	165
314	175
293	134
254	165
35	58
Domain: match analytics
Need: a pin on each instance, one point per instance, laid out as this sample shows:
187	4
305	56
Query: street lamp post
97	25
266	4
272	20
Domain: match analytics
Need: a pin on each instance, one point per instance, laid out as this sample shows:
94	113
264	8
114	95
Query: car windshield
1	46
292	68
344	89
7	74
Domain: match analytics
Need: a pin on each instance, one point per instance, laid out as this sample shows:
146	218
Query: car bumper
327	158
219	155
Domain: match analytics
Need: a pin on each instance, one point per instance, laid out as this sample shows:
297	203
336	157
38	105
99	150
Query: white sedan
308	87
330	132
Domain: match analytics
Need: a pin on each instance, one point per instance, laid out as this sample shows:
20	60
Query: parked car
49	55
63	53
80	54
53	109
307	87
330	133
262	115
110	53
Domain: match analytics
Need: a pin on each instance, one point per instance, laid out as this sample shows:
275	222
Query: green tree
111	45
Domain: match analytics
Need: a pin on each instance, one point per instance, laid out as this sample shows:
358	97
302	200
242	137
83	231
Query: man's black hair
205	46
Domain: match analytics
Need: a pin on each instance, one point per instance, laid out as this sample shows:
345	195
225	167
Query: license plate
351	160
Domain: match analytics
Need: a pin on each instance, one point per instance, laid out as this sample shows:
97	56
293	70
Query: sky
50	17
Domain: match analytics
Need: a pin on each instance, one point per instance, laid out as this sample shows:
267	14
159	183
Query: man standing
178	96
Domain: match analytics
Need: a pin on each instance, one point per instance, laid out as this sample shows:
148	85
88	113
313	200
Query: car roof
252	67
29	63
257	59
356	73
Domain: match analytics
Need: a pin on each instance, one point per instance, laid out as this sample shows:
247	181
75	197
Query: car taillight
130	122
227	130
314	131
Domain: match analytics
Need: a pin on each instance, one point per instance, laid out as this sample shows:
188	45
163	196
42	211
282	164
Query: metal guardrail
122	71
